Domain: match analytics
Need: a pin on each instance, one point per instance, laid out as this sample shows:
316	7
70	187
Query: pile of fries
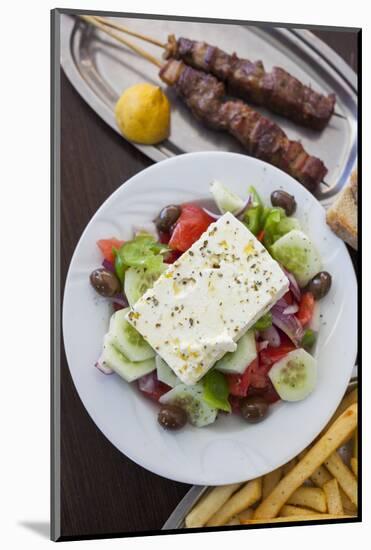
317	484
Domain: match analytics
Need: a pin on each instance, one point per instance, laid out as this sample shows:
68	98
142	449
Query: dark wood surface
102	491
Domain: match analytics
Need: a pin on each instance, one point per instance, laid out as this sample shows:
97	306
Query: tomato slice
306	308
269	355
238	384
259	374
151	386
106	246
192	222
172	256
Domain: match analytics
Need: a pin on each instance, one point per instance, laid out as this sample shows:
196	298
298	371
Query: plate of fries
320	483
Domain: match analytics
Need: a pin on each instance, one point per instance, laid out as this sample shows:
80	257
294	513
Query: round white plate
230	450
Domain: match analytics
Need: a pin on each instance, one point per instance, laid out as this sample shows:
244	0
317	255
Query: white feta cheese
204	302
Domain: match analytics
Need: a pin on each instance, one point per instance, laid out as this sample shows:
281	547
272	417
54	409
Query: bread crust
342	215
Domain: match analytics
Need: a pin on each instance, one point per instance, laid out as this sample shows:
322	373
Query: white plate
230	450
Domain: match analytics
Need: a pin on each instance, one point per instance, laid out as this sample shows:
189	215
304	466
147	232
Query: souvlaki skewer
205	96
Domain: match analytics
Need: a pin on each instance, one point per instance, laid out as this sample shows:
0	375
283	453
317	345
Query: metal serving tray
100	69
177	518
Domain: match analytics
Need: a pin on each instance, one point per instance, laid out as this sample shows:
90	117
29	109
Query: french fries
286	468
246	514
343	426
207	507
333	497
245	497
320	476
310	517
289	510
349	399
309	497
315	485
233	521
344	476
270	481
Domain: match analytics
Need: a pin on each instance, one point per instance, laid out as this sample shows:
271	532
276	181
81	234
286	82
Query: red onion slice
262	345
237	214
243	208
288	324
120	299
100	366
147	383
272	336
212	214
108	265
294	287
291	309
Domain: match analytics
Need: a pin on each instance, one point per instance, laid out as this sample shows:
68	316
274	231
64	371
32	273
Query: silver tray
177	518
100	69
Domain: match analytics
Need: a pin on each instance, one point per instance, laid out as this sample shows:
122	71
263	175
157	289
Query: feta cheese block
204	302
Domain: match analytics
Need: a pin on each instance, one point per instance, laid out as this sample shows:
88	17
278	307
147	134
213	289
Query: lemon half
143	114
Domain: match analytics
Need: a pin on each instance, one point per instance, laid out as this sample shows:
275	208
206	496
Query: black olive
105	282
167	218
320	285
254	408
172	417
285	201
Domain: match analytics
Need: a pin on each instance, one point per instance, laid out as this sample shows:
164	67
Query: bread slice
342	215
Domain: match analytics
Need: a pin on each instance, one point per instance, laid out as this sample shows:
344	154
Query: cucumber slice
226	200
138	280
237	361
128	370
294	377
190	398
128	340
296	252
165	374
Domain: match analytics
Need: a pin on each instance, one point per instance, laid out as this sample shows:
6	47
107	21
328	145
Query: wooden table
102	491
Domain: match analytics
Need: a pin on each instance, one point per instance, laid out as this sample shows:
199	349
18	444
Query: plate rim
129	184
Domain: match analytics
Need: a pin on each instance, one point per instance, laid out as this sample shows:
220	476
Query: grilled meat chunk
262	138
277	90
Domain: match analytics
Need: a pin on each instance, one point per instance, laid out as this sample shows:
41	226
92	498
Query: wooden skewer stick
93	21
121	28
154	41
119	38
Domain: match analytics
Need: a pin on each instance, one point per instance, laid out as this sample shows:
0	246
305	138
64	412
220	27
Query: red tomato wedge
106	246
238	384
152	387
306	308
172	257
269	355
192	222
258	374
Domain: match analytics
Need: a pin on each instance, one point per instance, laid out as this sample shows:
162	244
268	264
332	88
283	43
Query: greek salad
214	312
